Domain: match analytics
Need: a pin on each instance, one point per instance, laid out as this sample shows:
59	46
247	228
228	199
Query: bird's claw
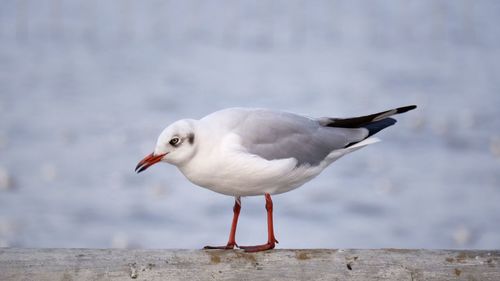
259	248
229	246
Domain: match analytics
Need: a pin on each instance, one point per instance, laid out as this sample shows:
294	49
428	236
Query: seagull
252	151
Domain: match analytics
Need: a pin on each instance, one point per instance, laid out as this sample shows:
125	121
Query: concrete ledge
318	264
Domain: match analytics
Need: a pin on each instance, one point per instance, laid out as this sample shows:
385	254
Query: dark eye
174	141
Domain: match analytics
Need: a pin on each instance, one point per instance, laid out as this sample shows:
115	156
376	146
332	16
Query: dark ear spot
191	138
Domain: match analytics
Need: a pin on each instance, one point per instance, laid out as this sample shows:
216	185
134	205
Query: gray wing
280	135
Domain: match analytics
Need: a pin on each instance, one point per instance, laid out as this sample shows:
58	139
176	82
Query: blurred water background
87	86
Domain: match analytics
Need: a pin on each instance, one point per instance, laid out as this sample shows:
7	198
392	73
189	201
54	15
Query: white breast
228	169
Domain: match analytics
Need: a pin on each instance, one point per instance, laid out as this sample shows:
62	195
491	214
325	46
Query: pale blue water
86	87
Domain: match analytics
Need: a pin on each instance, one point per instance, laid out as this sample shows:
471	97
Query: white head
175	145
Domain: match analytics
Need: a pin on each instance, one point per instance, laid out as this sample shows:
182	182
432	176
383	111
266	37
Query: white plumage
245	152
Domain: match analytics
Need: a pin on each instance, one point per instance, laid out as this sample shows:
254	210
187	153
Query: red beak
148	161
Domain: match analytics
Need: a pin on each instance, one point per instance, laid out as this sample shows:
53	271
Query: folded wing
281	135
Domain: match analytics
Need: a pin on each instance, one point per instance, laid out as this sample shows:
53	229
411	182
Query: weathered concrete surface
320	264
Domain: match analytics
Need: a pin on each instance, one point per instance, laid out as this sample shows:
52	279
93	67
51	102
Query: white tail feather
364	143
336	154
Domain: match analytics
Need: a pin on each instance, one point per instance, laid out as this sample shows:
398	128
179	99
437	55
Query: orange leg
232	235
271	240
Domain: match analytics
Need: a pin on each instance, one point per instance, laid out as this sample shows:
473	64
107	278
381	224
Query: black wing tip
405	108
357	122
377	126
